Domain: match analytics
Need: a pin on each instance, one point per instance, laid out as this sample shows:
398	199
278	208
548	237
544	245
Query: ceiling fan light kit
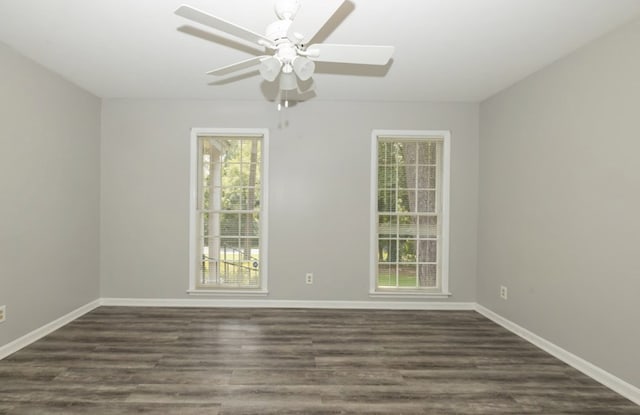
288	82
287	56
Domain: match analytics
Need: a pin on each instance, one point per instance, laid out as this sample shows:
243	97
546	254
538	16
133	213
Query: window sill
408	294
250	293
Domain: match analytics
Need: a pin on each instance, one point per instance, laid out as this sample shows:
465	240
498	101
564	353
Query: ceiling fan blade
311	17
358	54
207	19
238	65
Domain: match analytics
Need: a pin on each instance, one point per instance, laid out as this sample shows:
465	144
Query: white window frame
194	254
443	291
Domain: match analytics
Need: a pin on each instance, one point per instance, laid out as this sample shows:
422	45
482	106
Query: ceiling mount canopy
287	9
287	57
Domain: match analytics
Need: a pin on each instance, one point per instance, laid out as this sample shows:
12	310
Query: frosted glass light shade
303	67
270	68
288	81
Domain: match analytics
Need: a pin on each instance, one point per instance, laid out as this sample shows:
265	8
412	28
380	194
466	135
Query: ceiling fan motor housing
286	50
277	31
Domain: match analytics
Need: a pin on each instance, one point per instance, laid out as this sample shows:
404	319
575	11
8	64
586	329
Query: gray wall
560	199
49	209
319	192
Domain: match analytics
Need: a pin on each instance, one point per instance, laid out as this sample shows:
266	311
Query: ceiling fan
287	56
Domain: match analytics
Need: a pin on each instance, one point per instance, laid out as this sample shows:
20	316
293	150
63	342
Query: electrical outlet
309	278
503	292
3	313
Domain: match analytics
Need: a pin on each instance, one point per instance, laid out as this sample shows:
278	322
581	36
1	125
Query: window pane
256	194
428	226
407	177
387	178
405	203
407	275
387	201
387	226
427	251
427	275
427	153
229	247
427	201
204	223
427	177
408	153
408	226
248	225
254	277
234	273
387	250
211	247
387	275
208	272
233	199
386	154
254	254
229	224
407	250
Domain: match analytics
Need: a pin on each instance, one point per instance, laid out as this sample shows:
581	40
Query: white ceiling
446	50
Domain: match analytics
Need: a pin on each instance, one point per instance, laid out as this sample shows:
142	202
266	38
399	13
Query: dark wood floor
122	360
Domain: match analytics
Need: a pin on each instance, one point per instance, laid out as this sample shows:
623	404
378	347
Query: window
409	244
228	227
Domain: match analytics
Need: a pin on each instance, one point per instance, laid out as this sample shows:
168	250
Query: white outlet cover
503	292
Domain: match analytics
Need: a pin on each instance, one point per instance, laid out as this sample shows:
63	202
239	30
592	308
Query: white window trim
445	136
263	133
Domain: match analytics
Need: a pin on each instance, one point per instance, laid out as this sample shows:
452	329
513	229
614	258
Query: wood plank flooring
123	360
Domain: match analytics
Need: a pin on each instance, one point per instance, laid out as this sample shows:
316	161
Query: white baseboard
607	379
258	303
39	333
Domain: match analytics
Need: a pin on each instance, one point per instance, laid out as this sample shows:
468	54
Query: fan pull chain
286	102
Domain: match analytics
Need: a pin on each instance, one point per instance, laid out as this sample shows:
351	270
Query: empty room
320	207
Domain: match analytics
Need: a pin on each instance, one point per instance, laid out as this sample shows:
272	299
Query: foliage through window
229	197
409	214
